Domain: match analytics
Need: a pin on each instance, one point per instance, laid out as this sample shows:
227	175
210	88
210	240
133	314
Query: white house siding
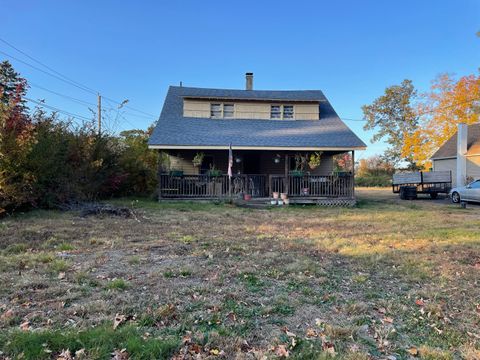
473	167
447	165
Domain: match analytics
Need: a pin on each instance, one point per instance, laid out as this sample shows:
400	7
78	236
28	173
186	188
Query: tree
16	138
393	117
139	163
449	103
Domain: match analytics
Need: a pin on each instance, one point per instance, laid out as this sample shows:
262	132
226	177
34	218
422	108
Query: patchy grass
117	284
386	278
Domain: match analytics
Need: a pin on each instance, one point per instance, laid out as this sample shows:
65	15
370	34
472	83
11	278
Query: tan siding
252	111
307	112
195	108
248	110
473	167
447	165
183	161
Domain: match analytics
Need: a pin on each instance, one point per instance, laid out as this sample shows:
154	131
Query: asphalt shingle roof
449	148
174	129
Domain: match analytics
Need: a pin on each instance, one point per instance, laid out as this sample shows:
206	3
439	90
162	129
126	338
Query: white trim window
228	111
220	111
282	112
216	111
276	112
288	112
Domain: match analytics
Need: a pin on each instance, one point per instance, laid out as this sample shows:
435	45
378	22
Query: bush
373	181
46	162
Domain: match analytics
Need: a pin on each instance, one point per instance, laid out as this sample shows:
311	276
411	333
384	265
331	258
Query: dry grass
384	278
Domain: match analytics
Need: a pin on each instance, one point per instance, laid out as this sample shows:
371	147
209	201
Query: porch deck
305	188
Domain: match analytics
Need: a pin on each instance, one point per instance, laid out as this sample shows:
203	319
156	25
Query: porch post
353	173
287	163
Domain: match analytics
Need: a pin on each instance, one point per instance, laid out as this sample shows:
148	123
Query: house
274	136
461	155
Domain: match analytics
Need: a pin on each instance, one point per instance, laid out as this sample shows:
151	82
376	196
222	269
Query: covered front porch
259	174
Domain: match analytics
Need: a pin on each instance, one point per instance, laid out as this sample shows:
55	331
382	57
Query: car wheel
455	197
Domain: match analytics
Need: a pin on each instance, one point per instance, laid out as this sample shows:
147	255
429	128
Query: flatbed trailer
425	182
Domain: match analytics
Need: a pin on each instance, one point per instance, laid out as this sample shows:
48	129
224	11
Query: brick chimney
462	136
249	81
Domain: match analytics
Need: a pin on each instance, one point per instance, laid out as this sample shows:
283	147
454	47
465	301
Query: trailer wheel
434	195
455	197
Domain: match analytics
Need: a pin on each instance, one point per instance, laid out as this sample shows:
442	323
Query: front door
251	163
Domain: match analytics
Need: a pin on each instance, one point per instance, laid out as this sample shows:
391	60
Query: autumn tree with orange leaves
449	103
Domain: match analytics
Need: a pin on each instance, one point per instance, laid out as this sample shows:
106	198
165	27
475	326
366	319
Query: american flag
230	161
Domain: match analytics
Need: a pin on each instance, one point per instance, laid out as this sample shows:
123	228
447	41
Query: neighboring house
460	154
268	131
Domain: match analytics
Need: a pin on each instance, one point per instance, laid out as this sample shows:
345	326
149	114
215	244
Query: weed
117	284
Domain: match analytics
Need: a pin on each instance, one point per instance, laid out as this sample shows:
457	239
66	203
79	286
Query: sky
351	50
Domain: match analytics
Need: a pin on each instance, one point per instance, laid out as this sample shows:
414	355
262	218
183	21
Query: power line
42	104
64	78
46	66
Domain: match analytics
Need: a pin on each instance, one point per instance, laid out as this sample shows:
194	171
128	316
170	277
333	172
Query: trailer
422	182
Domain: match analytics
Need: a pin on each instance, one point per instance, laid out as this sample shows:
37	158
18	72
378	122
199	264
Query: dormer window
288	112
228	110
281	112
276	112
216	111
219	111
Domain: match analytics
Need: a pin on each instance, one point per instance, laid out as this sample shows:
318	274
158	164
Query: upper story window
281	112
228	110
276	112
218	110
288	111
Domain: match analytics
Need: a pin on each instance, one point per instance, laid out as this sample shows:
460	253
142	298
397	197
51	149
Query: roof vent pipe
249	81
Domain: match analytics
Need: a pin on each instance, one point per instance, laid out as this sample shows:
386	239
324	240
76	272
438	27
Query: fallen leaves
413	351
7	314
420	302
281	351
25	326
119	319
120	355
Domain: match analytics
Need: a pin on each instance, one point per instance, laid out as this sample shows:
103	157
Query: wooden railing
337	185
206	186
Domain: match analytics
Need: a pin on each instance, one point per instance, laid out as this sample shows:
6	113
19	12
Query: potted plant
300	163
283	196
198	159
247	197
214	172
275	194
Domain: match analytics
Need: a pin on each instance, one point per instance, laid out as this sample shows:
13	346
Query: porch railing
206	186
328	186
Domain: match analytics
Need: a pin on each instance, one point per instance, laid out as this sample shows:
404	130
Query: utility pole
99	114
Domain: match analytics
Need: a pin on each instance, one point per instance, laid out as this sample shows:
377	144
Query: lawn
384	280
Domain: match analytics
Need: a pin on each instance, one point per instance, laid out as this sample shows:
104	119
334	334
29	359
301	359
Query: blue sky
351	50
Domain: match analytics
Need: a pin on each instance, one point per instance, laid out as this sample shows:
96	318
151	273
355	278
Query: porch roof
175	131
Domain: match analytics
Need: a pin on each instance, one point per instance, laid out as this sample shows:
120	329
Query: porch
304	188
255	173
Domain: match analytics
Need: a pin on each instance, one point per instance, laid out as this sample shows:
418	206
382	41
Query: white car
470	192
